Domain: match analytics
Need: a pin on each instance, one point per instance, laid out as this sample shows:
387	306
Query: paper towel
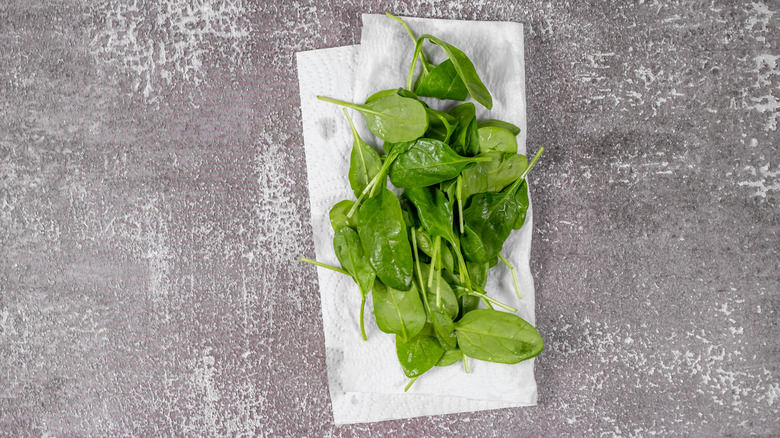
365	380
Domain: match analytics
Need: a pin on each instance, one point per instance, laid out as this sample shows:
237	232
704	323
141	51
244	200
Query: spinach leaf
497	336
450	357
522	199
338	215
440	125
385	241
364	162
399	91
398	312
434	210
418	354
443	327
392	117
489	220
500	124
465	139
494	175
478	272
495	139
427	162
463	66
442	82
349	252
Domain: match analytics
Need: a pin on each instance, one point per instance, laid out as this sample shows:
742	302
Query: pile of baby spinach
424	257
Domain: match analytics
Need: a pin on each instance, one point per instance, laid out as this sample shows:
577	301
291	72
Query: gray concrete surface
153	202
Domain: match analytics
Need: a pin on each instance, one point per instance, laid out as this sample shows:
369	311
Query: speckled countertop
153	202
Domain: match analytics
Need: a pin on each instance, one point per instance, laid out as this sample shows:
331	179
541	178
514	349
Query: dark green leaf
442	82
497	337
385	241
349	252
488	221
522	199
398	312
427	162
443	327
465	139
440	125
494	175
419	354
462	65
435	212
478	273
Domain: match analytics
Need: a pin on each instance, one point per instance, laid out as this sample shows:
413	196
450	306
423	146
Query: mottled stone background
153	203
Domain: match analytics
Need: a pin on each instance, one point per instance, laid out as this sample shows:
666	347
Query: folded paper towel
365	380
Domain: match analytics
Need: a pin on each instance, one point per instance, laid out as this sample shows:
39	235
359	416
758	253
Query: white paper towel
365	380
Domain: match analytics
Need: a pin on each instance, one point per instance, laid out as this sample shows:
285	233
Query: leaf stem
355	135
520	180
459	189
438	288
493	301
514	275
424	64
418	271
323	265
340	102
434	259
411	382
466	364
362	311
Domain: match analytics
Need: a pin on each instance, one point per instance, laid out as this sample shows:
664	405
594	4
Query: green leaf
385	241
442	82
443	327
419	354
462	65
494	175
435	212
349	252
465	139
450	357
427	162
489	219
466	302
495	139
399	91
391	117
478	272
500	124
398	312
497	337
522	199
338	215
440	125
364	162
